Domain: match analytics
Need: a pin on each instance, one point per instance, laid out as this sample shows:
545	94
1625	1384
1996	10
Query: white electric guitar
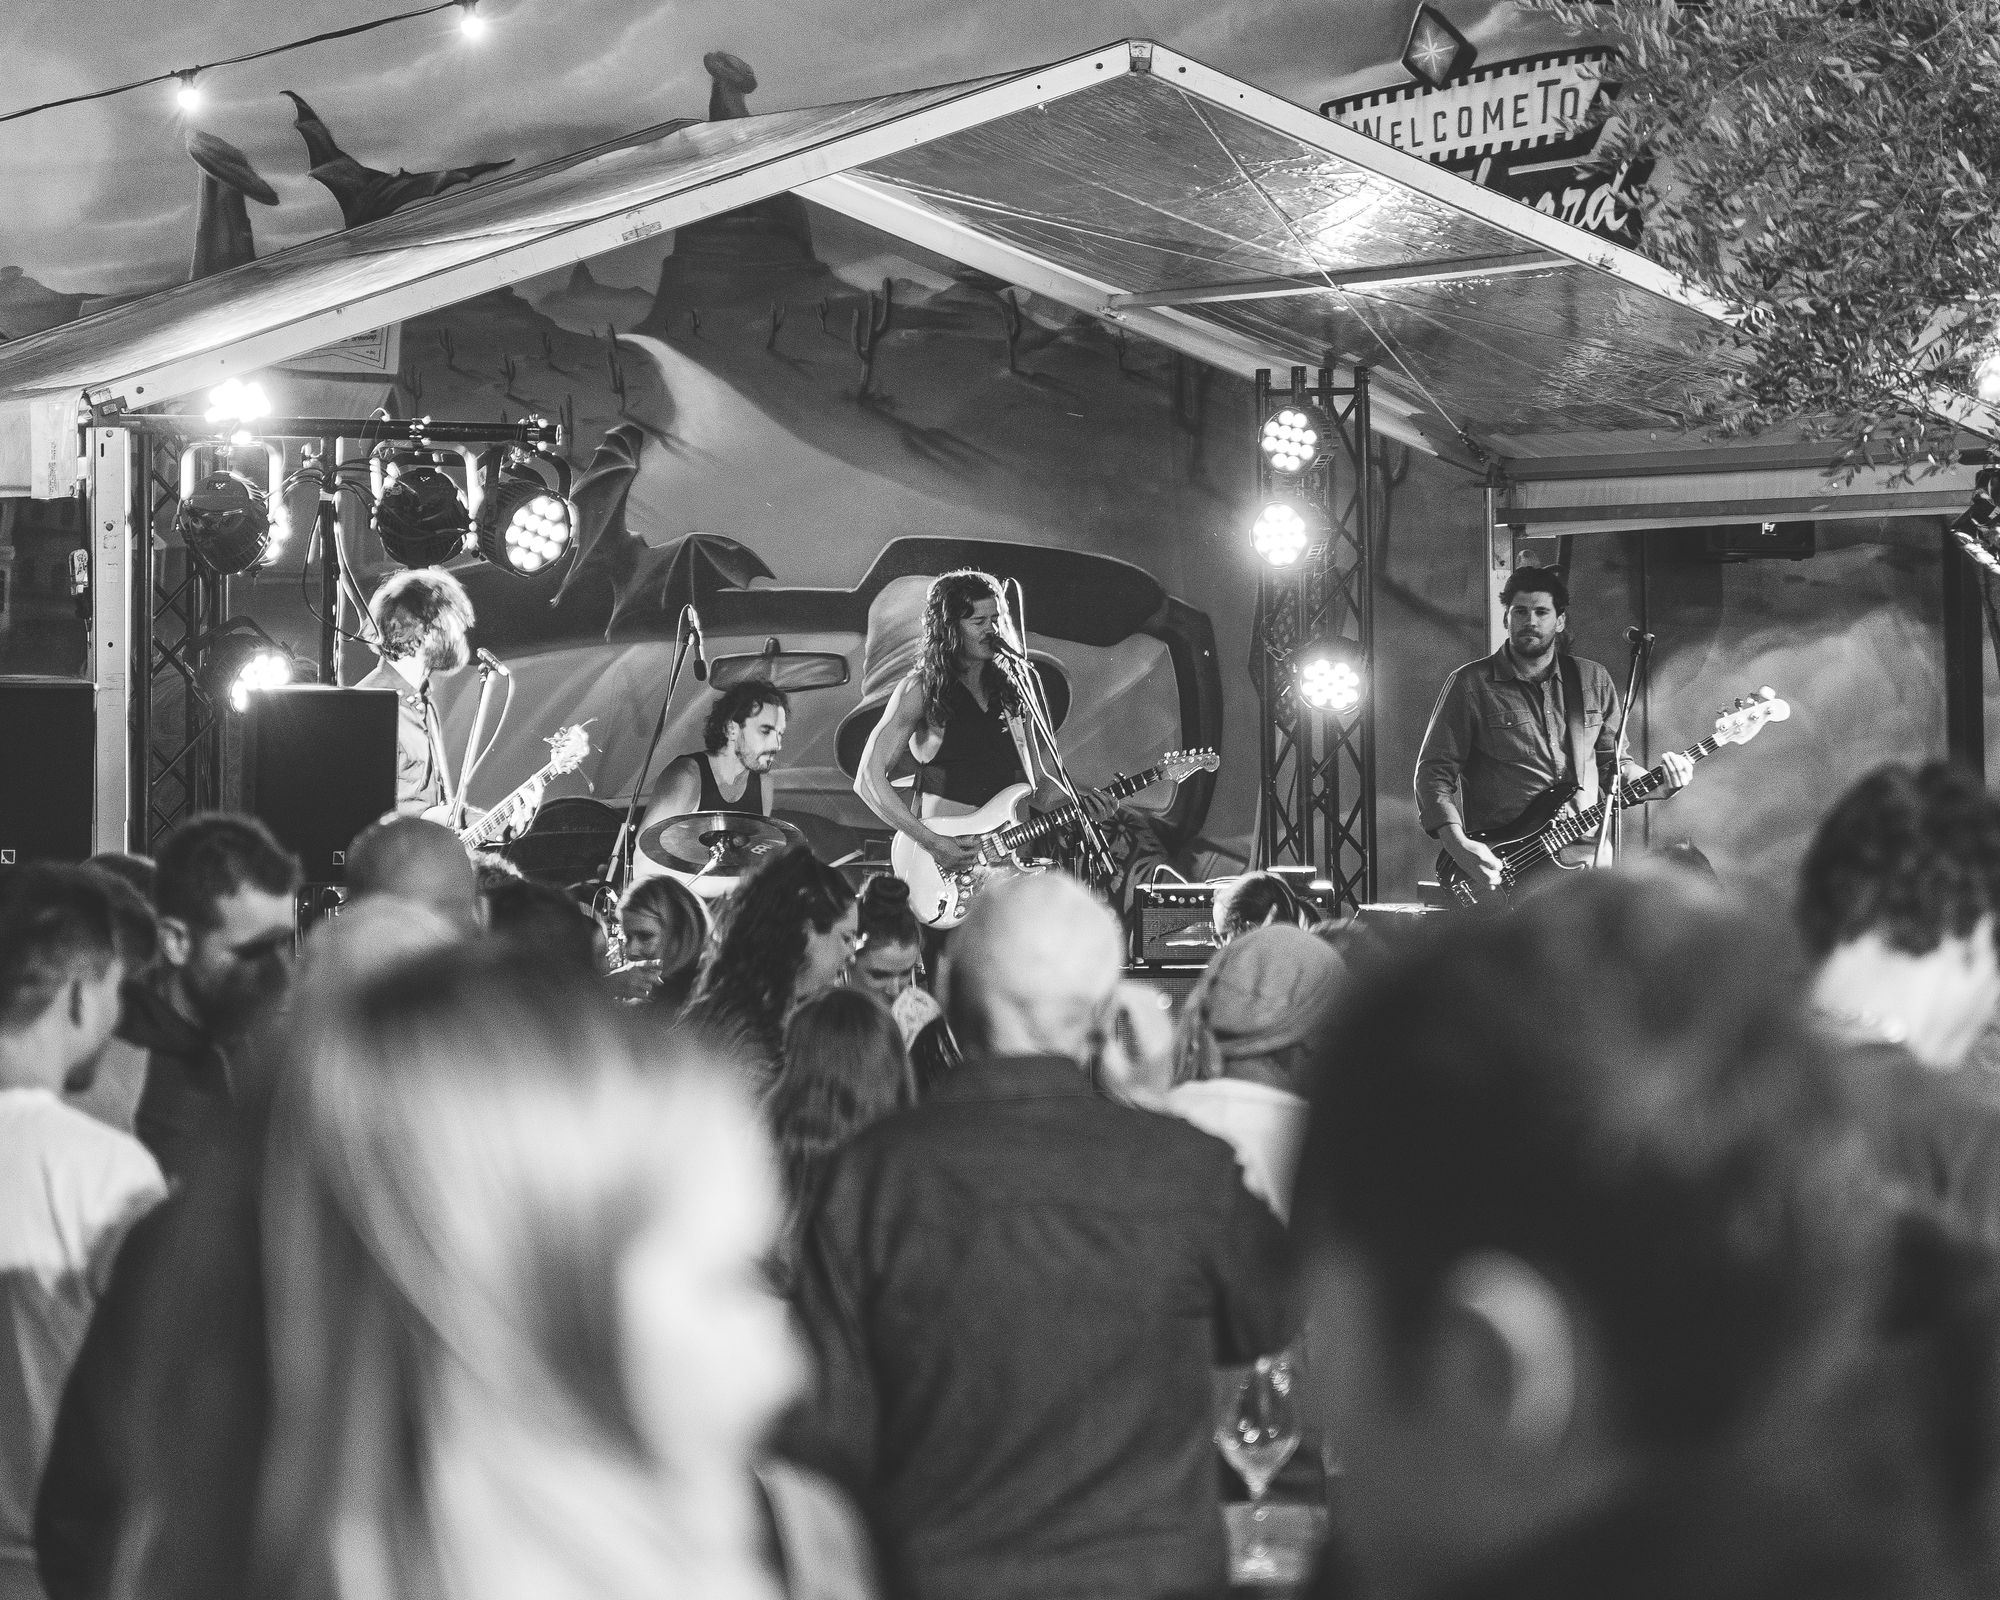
997	831
513	815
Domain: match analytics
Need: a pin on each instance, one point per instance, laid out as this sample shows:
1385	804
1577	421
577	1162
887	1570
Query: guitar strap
1582	758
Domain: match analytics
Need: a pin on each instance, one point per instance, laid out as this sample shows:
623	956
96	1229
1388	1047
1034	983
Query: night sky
99	199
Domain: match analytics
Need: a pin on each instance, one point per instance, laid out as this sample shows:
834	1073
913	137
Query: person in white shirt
70	1186
1242	1048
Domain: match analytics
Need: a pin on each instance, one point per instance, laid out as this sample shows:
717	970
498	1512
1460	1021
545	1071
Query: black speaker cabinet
48	765
319	765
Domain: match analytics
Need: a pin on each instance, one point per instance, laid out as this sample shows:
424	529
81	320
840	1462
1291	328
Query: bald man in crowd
408	858
1017	1291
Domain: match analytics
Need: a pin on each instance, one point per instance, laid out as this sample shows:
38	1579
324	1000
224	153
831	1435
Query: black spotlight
526	522
225	523
419	515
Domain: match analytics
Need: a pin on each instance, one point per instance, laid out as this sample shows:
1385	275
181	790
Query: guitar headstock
568	748
1178	764
1741	723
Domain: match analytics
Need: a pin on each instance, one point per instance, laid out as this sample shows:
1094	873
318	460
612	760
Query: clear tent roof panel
1136	184
456	229
1146	186
1543	353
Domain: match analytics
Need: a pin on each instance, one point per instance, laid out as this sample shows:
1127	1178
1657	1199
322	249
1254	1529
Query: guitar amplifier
319	765
1171	924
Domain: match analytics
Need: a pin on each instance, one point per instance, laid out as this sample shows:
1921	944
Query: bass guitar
1535	842
567	748
997	831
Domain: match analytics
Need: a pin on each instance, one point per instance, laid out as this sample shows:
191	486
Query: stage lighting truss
227	521
1978	526
525	522
1328	676
420	515
239	658
1294	438
1285	530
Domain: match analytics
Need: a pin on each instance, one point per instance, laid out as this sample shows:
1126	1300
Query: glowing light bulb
470	22
188	96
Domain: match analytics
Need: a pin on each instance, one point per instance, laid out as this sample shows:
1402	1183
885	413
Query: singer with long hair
422	619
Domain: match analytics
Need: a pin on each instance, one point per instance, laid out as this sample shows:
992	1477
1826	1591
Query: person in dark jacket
1595	1274
223	891
1017	1291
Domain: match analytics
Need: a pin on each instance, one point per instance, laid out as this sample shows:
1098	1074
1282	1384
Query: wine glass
1257	1437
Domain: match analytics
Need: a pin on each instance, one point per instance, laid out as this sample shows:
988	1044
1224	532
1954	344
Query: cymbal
718	841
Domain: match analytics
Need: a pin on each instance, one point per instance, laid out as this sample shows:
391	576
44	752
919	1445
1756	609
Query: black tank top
977	757
750	802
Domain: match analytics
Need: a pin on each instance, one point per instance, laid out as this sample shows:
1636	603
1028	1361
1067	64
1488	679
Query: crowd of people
1631	1242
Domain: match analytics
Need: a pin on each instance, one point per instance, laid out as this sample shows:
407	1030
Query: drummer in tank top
744	735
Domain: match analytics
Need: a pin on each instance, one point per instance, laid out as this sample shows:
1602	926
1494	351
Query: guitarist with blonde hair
1520	726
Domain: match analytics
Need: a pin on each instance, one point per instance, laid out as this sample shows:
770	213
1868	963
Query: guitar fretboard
1028	832
1567	830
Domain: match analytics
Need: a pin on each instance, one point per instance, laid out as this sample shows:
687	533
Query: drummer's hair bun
887	892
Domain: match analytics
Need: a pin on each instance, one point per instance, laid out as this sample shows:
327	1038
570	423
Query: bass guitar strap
1582	758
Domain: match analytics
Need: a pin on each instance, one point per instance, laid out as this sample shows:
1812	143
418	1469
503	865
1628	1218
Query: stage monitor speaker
1171	924
48	776
319	765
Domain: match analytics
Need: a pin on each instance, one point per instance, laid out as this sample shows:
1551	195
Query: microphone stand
1642	645
1028	687
467	765
618	870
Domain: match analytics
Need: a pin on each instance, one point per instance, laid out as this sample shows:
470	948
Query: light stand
618	870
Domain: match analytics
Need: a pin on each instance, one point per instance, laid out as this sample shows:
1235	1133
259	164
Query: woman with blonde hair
519	1343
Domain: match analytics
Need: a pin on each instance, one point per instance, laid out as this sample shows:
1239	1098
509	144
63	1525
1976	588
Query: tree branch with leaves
1826	167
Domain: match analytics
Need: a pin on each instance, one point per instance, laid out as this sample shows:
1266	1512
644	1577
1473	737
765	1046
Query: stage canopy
1133	184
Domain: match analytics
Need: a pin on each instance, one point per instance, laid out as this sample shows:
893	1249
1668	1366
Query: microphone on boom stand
1637	635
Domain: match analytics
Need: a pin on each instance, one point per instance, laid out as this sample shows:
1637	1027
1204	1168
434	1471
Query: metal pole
1964	662
328	537
1366	594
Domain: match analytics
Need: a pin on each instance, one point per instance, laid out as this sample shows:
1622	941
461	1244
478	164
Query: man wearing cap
1243	1045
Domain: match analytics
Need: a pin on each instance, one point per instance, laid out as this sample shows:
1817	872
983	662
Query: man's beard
229	1004
445	651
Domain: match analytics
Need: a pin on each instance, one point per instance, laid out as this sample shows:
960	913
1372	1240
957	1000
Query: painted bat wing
320	147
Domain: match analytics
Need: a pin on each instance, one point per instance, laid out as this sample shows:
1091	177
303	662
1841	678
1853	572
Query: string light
189	97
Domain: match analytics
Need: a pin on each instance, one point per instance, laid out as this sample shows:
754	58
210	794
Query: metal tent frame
1131	183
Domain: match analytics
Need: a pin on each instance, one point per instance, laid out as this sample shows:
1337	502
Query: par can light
526	522
225	523
1282	532
1328	677
1292	438
420	516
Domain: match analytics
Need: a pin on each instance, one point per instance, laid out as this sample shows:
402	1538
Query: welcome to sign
1513	105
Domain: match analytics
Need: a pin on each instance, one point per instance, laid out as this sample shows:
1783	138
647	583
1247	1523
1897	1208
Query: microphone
489	662
1633	635
693	619
1007	646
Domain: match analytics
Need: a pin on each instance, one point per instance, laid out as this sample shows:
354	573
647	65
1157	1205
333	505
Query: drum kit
710	850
